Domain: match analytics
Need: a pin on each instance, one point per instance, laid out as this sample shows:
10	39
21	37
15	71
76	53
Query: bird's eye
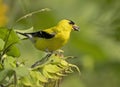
71	22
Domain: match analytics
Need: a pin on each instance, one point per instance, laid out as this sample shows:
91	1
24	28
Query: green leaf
13	51
12	38
46	74
1	44
26	81
4	73
67	71
38	75
41	77
60	74
52	68
9	62
64	63
76	67
29	81
55	76
21	71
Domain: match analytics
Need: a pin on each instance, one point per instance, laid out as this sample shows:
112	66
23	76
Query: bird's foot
59	53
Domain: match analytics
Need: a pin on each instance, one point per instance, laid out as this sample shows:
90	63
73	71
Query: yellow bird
52	39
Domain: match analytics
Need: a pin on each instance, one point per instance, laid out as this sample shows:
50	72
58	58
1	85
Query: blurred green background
96	46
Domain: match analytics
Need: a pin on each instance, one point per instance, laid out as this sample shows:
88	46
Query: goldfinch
52	39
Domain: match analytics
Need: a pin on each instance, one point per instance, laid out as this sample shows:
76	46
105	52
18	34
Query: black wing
42	34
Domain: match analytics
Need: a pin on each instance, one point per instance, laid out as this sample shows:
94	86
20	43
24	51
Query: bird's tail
24	34
27	35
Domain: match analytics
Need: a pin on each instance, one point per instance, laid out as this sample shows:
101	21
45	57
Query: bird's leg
59	53
39	62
